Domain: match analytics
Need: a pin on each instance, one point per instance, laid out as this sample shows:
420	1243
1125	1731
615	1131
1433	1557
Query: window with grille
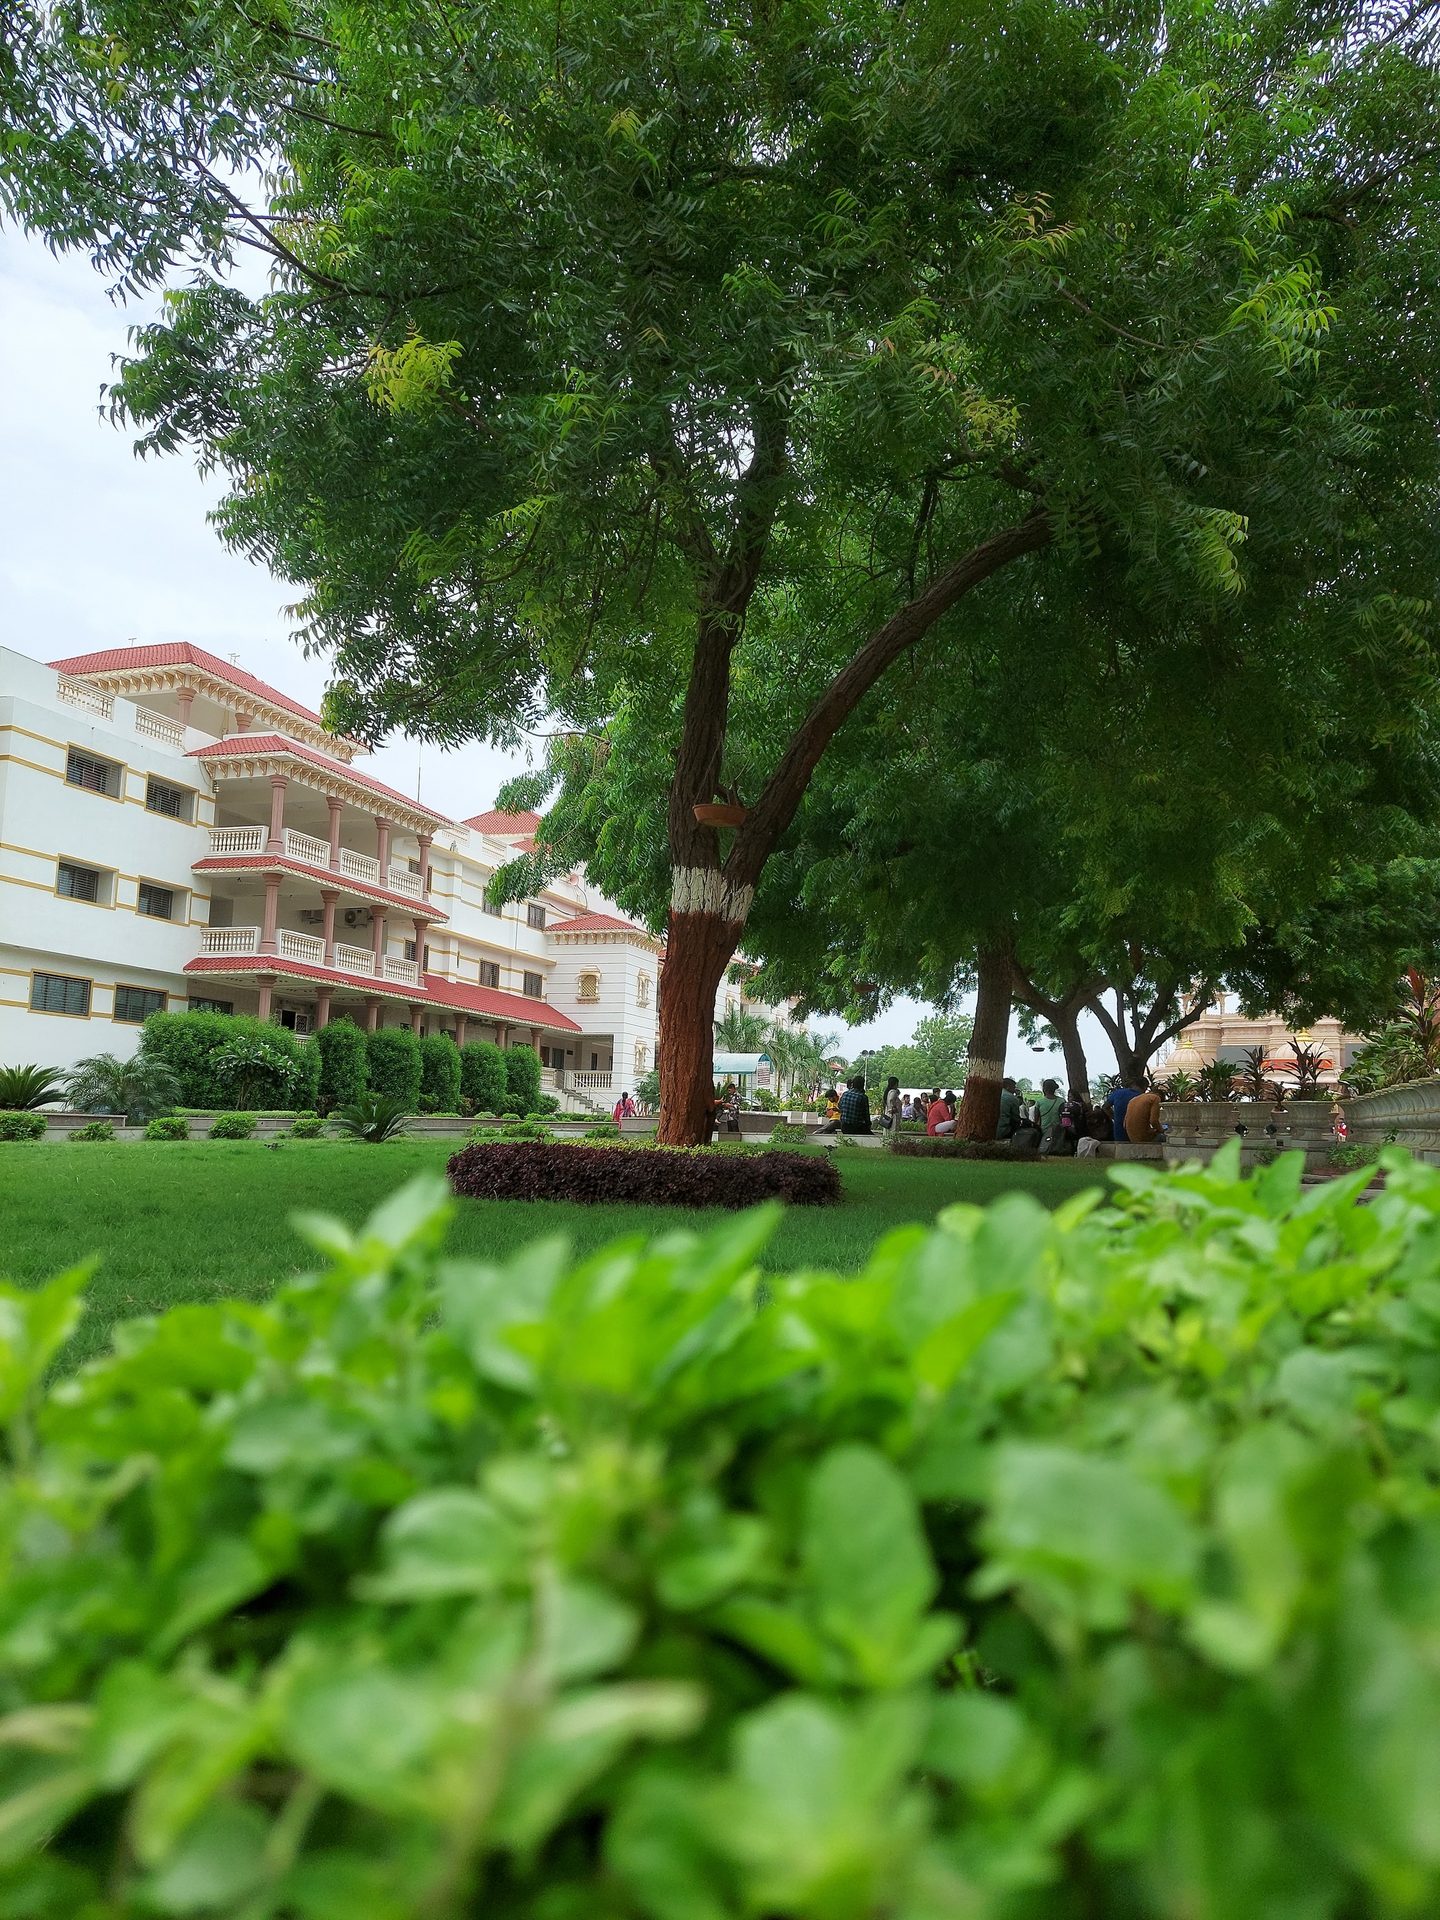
409	949
588	987
96	776
173	802
534	987
493	908
138	1003
534	916
196	1005
489	973
58	993
77	883
157	902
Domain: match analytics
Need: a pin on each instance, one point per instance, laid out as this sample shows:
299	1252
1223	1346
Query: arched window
641	1055
588	987
642	990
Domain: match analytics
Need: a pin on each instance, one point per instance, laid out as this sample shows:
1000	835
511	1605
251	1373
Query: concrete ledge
1129	1150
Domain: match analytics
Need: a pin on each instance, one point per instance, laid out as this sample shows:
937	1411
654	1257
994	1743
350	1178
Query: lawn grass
200	1220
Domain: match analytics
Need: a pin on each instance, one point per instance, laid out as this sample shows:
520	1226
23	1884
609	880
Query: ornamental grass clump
1055	1567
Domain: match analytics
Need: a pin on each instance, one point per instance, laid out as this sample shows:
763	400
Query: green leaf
865	1557
450	1541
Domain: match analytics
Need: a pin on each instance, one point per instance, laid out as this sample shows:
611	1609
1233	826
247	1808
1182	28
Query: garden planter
720	814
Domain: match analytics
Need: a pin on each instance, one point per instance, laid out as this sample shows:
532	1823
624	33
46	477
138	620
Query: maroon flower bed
652	1176
943	1146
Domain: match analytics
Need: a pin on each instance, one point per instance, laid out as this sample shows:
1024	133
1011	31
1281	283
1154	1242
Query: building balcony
309	950
357	875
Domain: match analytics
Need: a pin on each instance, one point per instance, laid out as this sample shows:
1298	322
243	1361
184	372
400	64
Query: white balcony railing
407	972
354	959
156	726
304	846
230	940
591	1082
237	840
300	946
79	693
359	866
401	880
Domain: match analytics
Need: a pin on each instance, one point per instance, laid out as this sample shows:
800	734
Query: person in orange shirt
1142	1118
939	1119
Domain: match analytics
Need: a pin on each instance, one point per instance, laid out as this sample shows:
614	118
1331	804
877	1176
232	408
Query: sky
99	548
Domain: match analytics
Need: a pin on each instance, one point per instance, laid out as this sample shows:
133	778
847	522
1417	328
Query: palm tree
22	1088
740	1032
139	1087
373	1118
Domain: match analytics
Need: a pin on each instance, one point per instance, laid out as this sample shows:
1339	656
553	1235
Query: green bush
603	1130
546	1103
168	1126
522	1078
308	1126
514	1129
392	1058
786	1133
24	1087
22	1126
215	1065
439	1074
341	1046
1057	1565
374	1118
233	1126
93	1131
482	1076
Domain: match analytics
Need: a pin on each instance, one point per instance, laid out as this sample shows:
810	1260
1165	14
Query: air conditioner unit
357	917
310	917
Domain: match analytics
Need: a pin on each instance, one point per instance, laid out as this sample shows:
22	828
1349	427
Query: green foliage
393	1066
522	1079
604	1130
373	1118
1391	1058
94	1132
232	1126
483	1081
343	1064
25	1087
139	1087
1217	1079
1347	1157
168	1126
785	1133
25	1125
522	1129
934	1056
227	1060
739	1030
439	1074
546	1103
1040	1543
307	1126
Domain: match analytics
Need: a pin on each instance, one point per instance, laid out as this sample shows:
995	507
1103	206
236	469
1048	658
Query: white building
174	833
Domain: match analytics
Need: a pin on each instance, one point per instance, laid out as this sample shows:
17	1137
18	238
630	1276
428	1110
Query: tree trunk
985	1065
707	918
1077	1070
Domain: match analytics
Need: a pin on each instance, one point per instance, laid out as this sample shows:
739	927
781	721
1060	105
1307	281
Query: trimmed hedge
188	1044
482	1076
168	1126
943	1147
645	1176
308	1126
522	1078
439	1074
392	1061
341	1046
96	1132
22	1126
233	1126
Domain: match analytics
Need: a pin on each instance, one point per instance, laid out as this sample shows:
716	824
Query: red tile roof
506	826
271	862
236	745
181	654
511	1009
596	923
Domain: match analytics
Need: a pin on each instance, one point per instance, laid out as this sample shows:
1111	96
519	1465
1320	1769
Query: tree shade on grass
196	1221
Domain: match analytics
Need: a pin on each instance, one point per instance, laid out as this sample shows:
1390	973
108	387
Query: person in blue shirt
1119	1098
855	1107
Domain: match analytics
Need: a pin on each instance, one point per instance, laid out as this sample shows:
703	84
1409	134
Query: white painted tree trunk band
706	890
984	1069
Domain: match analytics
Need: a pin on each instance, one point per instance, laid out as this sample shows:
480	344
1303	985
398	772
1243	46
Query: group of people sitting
1047	1124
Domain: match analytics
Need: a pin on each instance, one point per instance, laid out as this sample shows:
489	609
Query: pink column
272	913
278	784
335	807
372	1015
460	1029
327	931
417	1020
425	840
267	987
420	946
382	847
242	721
322	1007
186	698
535	1038
377	941
502	1036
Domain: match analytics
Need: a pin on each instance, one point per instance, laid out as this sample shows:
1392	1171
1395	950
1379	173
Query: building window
198	1005
425	958
640	1056
295	1019
138	1003
173	802
534	916
58	993
493	907
534	987
77	883
489	973
642	990
588	987
96	776
409	949
157	902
